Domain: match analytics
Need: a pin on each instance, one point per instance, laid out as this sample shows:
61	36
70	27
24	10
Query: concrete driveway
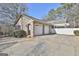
48	45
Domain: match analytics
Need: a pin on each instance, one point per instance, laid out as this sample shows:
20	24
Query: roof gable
26	16
18	18
31	18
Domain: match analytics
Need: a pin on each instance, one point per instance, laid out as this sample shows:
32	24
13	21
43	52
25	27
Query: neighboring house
58	23
33	26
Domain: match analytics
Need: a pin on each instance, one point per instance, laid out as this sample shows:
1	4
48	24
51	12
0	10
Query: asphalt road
48	45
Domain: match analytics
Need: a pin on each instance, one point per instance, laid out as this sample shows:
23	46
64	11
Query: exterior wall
66	31
32	29
23	23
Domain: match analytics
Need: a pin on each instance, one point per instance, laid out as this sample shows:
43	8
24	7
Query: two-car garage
41	29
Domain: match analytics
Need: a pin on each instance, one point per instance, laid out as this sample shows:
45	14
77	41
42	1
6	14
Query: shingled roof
18	18
35	19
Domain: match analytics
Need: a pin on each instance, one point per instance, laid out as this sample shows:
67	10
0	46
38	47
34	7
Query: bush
18	33
76	32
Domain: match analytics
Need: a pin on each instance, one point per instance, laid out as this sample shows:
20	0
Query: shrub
18	33
76	32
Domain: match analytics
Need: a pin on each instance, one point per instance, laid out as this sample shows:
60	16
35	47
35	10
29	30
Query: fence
66	31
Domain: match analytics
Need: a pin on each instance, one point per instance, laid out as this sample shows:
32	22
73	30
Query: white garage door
46	29
38	30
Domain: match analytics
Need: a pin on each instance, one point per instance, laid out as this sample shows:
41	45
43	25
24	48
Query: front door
28	29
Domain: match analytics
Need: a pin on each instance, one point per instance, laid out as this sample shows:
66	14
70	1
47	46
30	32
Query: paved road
48	45
7	42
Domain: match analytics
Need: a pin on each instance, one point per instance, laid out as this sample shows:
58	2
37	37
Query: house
58	23
33	26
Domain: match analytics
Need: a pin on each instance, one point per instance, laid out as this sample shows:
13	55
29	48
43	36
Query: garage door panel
38	30
46	30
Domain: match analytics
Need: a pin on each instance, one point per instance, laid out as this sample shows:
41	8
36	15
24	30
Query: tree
10	11
68	11
53	14
72	14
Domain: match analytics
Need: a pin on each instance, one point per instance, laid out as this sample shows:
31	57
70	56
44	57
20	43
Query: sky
39	10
